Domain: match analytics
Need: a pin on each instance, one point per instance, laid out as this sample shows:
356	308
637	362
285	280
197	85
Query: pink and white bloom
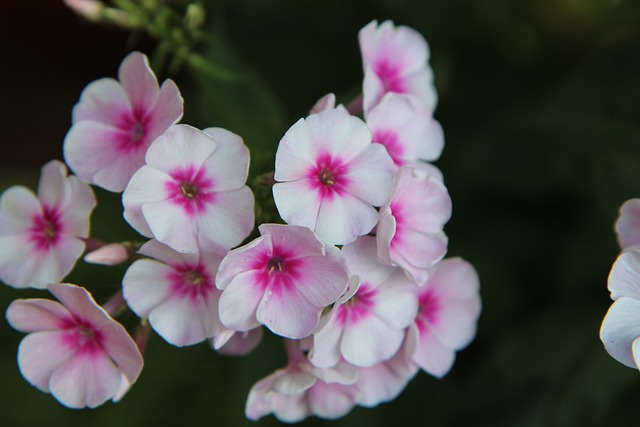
367	326
41	236
176	291
628	224
331	176
300	390
448	314
193	184
115	121
74	349
620	331
283	280
395	60
406	129
409	232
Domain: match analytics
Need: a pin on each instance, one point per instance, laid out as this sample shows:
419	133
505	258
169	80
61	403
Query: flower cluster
353	279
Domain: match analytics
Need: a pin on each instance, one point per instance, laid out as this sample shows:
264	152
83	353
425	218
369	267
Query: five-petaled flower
115	121
331	176
283	280
193	184
74	349
41	236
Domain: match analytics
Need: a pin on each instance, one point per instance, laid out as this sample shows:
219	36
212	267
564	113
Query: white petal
287	312
239	302
103	101
432	356
229	163
18	207
181	146
297	202
620	328
624	278
145	286
371	175
230	219
370	341
182	321
343	218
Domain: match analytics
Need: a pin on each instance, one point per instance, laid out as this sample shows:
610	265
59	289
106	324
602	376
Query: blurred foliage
540	103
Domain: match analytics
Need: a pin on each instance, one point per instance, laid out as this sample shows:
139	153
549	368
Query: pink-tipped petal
102	101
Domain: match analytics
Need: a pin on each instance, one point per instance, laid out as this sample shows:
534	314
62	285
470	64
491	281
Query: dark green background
540	103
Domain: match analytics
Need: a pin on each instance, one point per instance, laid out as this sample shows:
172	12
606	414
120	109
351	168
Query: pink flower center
190	281
427	311
390	141
190	189
82	336
275	270
358	306
328	177
389	74
134	127
46	229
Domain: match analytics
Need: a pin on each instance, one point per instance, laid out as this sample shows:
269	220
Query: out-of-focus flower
74	349
628	224
409	233
620	331
115	121
89	9
300	390
176	291
406	129
367	326
193	184
448	314
282	280
395	60
41	236
331	176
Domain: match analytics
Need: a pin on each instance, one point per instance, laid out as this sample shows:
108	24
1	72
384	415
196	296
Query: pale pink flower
300	390
41	236
282	280
628	224
409	232
74	349
395	60
331	176
193	184
620	331
367	326
447	317
406	129
176	292
386	380
115	121
327	102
